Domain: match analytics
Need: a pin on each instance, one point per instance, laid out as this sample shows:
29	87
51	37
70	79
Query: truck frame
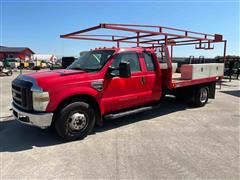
127	80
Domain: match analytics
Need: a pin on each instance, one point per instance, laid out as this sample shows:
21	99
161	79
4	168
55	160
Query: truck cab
104	80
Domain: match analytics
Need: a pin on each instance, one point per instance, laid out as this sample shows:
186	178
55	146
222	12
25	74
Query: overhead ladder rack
149	36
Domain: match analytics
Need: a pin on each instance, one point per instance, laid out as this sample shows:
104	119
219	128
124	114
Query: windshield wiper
85	69
75	68
91	69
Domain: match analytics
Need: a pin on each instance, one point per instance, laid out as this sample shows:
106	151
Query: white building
44	57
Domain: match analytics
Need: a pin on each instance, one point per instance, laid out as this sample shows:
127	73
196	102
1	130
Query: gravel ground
174	141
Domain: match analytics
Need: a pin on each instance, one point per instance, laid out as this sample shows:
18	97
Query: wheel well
85	98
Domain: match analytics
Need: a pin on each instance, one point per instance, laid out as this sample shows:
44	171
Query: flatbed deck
177	82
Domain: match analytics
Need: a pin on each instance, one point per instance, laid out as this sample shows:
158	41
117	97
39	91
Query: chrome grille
22	95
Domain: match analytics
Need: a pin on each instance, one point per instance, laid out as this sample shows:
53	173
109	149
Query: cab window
131	57
148	61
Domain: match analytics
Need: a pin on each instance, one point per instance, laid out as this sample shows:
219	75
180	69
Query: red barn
23	53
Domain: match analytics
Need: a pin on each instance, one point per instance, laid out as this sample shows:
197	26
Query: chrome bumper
42	120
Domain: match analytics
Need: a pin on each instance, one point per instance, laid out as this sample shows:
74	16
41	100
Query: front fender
57	97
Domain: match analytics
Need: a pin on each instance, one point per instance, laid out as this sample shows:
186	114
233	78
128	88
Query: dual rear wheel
198	96
201	96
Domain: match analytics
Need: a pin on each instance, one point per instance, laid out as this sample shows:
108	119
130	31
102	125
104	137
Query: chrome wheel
203	95
77	121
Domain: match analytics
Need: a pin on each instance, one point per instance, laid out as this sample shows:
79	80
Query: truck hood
54	73
50	78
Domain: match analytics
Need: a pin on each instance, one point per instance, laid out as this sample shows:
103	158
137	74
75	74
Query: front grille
22	95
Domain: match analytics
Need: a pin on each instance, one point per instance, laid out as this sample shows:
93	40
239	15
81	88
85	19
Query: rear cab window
149	62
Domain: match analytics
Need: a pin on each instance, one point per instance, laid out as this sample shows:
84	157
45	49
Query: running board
129	112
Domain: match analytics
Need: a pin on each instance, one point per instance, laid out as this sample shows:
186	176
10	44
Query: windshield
92	61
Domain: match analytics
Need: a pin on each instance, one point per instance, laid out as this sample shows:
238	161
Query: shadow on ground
15	136
233	92
226	83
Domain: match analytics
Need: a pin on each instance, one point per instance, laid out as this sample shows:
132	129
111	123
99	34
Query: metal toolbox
195	71
216	69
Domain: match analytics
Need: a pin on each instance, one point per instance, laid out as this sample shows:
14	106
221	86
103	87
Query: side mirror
112	72
124	69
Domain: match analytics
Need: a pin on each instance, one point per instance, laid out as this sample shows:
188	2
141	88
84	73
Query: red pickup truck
105	82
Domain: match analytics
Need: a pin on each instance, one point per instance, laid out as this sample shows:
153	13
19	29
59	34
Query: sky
38	24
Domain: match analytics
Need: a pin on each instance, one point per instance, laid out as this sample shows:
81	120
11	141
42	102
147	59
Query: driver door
120	93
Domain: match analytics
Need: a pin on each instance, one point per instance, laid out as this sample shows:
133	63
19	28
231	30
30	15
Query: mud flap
212	90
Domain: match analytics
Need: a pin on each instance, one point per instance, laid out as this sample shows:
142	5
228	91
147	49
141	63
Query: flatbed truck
111	82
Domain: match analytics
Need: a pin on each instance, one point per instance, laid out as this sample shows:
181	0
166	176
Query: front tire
75	121
201	96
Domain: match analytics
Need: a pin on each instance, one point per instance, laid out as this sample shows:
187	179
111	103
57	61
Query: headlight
40	100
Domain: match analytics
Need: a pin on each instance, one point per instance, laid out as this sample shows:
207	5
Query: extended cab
108	82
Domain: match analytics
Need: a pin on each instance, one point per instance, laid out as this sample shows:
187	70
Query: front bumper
42	120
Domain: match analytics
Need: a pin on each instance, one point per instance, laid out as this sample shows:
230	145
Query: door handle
143	80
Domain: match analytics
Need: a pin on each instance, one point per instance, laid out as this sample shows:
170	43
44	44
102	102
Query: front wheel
75	121
201	96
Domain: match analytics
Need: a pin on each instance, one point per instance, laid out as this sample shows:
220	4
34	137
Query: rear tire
201	96
75	121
